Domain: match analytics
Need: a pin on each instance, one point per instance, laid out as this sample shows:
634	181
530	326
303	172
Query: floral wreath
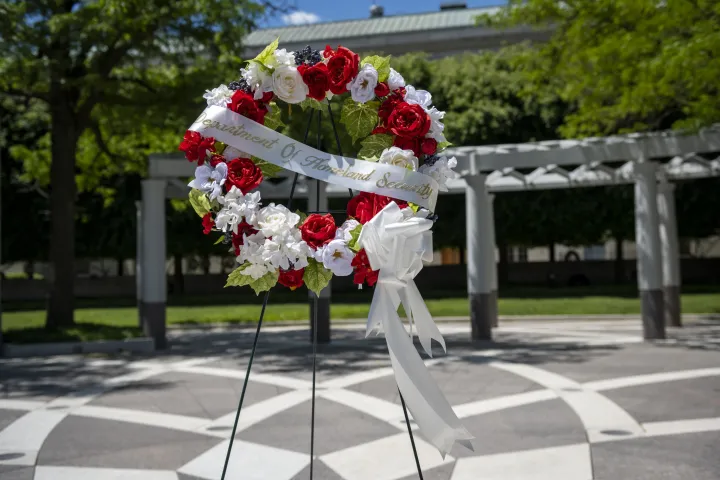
395	124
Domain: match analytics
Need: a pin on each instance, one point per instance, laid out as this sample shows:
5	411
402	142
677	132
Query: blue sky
313	11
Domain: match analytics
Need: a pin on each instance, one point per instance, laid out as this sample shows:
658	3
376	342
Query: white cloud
300	18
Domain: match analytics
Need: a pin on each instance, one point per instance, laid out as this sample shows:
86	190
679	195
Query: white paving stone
275	380
11	404
375	407
501	403
572	462
26	435
248	461
600	416
679	427
154	419
637	380
83	473
389	458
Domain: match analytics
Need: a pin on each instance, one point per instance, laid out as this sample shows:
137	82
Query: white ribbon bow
397	246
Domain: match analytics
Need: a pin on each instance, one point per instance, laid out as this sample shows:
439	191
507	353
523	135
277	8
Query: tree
627	65
77	56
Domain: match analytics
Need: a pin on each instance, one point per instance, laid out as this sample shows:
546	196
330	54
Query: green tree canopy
108	73
626	65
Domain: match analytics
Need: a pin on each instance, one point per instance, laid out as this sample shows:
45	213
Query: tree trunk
461	254
619	261
206	264
120	266
551	249
64	136
178	279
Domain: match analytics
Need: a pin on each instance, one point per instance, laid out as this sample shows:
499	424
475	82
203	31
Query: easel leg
412	438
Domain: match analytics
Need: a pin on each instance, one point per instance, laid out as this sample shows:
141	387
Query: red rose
208	223
244	228
318	230
244	104
365	206
388	106
196	146
363	270
343	67
244	174
382	89
291	278
409	120
428	146
408	143
215	159
379	130
267	97
317	78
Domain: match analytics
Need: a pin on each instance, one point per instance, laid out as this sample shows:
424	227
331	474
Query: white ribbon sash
397	247
249	136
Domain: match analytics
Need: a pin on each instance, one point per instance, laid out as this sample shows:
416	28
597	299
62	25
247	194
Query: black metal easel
314	324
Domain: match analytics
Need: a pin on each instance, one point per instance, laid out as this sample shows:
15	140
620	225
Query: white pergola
650	161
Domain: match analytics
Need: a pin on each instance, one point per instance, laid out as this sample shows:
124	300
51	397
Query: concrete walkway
546	400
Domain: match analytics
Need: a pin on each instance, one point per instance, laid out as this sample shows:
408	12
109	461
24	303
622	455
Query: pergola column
152	263
478	215
139	260
318	202
493	264
670	254
649	254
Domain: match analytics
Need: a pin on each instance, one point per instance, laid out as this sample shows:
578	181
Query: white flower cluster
337	256
400	158
210	180
441	171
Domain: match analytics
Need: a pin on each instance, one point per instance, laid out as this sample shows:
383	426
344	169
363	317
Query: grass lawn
119	323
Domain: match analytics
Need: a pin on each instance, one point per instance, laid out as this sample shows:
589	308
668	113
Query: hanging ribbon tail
427	329
429	408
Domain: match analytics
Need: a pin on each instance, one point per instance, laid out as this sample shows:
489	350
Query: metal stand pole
257	335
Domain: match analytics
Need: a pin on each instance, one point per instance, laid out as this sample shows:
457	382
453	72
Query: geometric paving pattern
546	400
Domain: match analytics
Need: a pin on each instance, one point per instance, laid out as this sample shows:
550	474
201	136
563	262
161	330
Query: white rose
219	96
436	126
281	57
210	180
256	270
395	80
288	84
399	157
337	257
362	88
231	153
276	219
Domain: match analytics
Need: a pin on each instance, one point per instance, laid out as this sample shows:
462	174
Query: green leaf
219	240
381	64
264	283
373	146
220	147
355	234
359	118
316	276
274	118
268	169
443	145
312	103
200	202
236	277
267	53
303	216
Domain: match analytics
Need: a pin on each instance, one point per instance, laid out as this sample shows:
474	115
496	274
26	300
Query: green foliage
199	202
303	216
381	64
354	235
359	118
374	145
264	57
268	169
316	277
274	118
309	103
626	65
262	284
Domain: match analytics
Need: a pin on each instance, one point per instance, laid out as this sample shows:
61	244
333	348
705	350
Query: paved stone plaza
546	401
